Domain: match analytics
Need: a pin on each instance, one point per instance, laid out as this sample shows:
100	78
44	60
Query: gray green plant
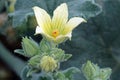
95	42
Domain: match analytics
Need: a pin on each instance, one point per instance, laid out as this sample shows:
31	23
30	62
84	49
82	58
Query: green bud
30	47
93	72
105	73
48	64
90	70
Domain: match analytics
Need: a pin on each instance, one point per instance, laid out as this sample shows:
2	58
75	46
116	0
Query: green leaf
69	73
31	71
67	56
24	73
84	8
35	61
19	51
45	76
60	76
59	55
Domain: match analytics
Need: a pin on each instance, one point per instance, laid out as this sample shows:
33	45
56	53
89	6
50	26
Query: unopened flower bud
48	64
30	47
90	70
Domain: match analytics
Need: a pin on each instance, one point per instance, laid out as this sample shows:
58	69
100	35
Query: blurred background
97	40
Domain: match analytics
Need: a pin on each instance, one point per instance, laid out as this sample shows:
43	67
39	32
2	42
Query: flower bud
105	73
90	70
93	72
48	64
30	47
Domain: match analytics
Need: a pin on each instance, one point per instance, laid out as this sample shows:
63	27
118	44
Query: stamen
55	33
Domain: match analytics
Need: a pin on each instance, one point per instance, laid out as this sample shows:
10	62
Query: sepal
59	55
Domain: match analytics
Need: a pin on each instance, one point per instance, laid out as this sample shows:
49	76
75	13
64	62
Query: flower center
55	33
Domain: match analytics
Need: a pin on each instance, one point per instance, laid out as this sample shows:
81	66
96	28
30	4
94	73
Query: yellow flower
48	64
58	28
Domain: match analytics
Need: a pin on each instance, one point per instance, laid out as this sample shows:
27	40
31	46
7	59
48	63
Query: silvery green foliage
35	52
67	74
90	70
94	72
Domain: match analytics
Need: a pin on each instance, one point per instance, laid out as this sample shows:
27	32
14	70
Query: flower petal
38	30
73	23
63	38
60	17
43	18
69	35
59	39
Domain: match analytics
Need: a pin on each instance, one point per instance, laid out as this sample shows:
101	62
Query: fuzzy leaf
59	55
35	61
19	51
70	72
60	76
67	56
24	73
